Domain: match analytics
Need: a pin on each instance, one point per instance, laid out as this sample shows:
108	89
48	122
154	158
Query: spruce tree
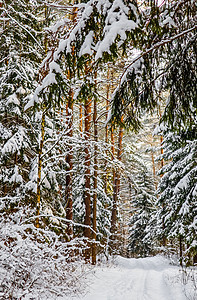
177	188
20	55
166	62
143	209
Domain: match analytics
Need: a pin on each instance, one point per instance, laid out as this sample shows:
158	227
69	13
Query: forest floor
152	278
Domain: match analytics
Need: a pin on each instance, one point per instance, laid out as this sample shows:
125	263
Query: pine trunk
87	231
106	128
38	195
69	157
95	183
114	208
153	166
181	250
69	160
164	239
81	120
113	218
116	176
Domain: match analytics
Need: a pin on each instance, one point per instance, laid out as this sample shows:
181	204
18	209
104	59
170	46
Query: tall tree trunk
164	239
69	160
181	250
87	231
38	194
161	142
46	24
116	176
106	128
113	217
81	119
69	157
161	139
153	165
95	182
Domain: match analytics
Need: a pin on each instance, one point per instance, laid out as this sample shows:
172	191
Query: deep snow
135	279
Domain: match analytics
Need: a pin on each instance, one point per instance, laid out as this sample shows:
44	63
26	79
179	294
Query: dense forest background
98	139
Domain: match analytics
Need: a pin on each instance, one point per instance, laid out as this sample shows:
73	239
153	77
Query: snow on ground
150	278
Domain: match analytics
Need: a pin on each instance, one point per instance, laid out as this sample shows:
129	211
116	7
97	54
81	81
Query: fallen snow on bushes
35	265
40	269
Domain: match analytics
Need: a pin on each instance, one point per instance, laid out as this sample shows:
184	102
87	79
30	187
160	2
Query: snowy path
136	279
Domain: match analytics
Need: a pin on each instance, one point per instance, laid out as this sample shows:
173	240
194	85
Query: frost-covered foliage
36	263
20	129
165	60
99	32
19	59
113	20
142	221
78	186
48	159
21	40
53	152
189	281
178	190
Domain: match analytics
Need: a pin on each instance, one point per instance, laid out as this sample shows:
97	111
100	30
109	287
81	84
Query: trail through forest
136	279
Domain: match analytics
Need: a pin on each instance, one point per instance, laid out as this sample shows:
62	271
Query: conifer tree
177	188
143	209
21	52
162	56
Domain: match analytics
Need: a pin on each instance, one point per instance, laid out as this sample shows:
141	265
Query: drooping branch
154	47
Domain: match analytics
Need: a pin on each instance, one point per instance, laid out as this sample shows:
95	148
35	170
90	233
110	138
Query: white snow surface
150	278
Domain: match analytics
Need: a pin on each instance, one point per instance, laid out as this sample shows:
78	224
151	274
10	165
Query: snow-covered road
136	279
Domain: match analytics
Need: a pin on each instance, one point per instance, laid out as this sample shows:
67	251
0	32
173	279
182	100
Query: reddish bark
69	159
87	231
95	184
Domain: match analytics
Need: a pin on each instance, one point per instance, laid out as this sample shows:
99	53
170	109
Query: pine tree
20	56
141	224
177	201
166	47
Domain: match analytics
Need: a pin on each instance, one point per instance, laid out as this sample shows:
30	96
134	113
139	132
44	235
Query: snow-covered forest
98	145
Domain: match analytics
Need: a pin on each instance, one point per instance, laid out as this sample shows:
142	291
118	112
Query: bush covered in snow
35	264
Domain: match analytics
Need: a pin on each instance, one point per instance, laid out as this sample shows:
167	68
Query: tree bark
116	191
153	165
94	248
87	231
81	120
69	157
181	250
69	160
164	239
113	217
106	128
38	194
